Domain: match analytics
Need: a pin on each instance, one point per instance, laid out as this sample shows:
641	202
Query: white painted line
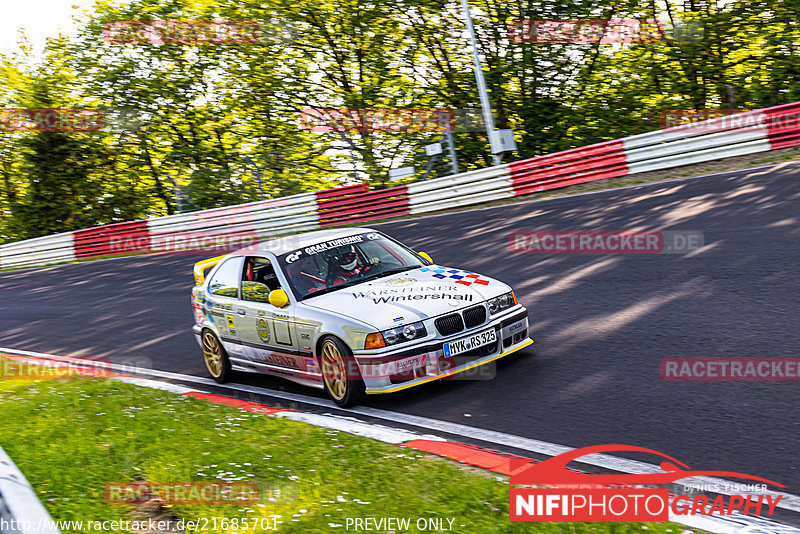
359	428
623	465
155	384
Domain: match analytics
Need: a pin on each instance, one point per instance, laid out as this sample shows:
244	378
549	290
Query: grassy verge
72	437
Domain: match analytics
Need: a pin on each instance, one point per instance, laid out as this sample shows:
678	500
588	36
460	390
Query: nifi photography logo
574	496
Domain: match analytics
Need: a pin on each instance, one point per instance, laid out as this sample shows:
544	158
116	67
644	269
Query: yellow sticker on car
263	330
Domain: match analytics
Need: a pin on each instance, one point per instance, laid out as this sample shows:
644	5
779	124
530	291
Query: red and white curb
495	461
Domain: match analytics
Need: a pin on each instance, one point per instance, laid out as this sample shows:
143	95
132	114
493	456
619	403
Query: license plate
466	344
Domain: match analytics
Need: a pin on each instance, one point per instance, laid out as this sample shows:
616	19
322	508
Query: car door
267	333
222	299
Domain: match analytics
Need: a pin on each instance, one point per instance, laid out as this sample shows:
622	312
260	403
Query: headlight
397	335
502	302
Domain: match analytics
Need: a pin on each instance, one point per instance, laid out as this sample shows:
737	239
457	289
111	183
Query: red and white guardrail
229	228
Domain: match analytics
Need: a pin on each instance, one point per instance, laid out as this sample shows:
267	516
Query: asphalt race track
602	323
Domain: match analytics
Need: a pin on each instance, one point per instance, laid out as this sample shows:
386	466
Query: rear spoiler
201	266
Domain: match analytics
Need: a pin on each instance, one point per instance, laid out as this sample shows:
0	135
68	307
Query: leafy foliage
221	121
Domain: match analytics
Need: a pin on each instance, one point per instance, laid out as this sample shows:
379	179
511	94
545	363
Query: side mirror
278	298
425	255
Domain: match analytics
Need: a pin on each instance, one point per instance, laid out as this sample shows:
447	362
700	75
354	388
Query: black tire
215	357
340	374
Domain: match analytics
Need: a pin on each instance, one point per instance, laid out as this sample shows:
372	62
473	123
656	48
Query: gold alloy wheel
212	354
333	370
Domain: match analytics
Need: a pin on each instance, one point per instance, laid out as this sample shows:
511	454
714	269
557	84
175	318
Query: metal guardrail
20	509
719	138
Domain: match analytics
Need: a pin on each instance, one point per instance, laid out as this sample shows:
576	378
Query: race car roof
284	244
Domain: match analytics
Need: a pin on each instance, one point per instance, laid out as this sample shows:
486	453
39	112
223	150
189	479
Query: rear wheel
216	358
340	373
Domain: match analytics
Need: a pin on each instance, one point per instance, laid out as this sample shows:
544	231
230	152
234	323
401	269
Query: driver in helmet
348	266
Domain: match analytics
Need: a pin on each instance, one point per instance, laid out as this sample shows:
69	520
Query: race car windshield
331	265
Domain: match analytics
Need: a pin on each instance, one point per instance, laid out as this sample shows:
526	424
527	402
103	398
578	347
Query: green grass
71	437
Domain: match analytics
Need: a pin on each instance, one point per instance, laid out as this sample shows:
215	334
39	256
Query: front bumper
381	374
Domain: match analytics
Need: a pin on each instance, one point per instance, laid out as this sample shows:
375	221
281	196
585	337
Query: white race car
351	311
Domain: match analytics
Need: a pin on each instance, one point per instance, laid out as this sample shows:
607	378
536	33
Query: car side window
258	279
225	281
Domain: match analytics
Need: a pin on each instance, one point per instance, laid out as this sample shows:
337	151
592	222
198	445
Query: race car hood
410	296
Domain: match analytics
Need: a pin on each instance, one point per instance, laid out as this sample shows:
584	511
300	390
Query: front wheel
340	373
216	358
